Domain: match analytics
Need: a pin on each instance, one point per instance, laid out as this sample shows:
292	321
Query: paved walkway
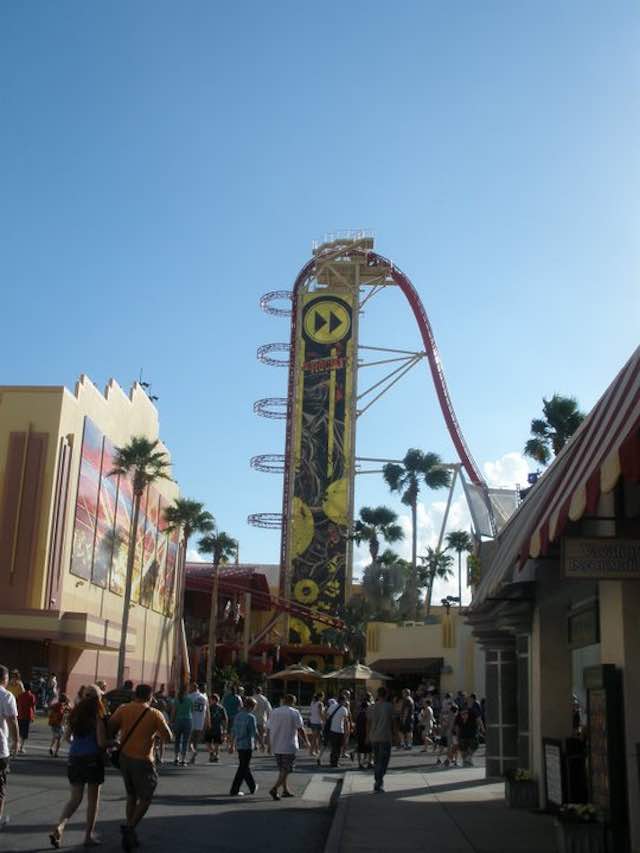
443	811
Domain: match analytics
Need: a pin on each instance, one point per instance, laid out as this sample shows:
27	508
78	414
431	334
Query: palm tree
459	541
436	565
377	523
417	468
141	460
189	517
382	581
221	547
550	433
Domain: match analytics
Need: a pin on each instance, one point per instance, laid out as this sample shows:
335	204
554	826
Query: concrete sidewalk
456	810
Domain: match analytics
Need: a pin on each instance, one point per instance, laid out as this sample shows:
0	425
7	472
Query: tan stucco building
64	529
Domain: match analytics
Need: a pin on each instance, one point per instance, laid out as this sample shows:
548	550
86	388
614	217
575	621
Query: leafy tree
435	565
188	517
145	464
561	418
417	469
222	548
377	523
382	582
459	541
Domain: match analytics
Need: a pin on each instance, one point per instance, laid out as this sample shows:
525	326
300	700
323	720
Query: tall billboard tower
318	494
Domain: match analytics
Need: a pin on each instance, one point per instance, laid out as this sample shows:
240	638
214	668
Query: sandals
55	838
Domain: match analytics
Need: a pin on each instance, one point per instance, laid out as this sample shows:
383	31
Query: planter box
521	794
580	837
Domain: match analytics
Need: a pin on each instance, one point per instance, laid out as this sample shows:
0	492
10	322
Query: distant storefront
557	611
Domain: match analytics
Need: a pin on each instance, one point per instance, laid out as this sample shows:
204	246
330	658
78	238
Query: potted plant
579	830
520	789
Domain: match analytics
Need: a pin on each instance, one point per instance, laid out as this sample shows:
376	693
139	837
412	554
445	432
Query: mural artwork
323	458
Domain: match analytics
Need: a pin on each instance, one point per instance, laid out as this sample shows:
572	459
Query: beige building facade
64	533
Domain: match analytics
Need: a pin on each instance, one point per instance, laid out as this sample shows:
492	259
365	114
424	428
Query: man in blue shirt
245	730
232	703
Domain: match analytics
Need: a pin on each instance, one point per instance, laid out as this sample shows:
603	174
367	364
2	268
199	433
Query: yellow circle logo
327	322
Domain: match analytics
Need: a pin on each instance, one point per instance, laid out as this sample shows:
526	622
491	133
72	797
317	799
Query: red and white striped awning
605	447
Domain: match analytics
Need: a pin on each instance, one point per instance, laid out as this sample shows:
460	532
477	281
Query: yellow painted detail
300	628
305	591
302	525
335	504
327	322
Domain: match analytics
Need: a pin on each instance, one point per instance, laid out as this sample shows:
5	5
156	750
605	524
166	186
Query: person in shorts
8	736
218	723
261	712
26	703
284	729
86	765
139	724
316	722
57	715
199	718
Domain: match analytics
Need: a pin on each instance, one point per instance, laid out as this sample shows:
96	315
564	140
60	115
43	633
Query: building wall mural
102	527
323	458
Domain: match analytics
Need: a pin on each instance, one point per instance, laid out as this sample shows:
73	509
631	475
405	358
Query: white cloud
508	471
194	557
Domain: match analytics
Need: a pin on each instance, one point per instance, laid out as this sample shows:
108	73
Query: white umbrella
357	672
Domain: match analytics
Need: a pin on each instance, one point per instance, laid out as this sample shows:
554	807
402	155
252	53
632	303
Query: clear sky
165	163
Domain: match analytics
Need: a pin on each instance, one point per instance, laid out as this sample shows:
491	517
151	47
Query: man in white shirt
338	723
200	718
261	712
8	732
284	727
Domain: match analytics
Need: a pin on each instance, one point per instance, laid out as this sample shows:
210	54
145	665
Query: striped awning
605	447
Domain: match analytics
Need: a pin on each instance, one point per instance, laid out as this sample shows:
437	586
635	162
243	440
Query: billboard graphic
87	501
323	457
102	527
104	544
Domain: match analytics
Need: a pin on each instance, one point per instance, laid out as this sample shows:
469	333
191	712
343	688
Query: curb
334	839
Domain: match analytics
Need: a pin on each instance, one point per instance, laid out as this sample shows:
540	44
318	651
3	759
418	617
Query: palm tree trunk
178	663
432	577
131	556
459	580
413	598
213	629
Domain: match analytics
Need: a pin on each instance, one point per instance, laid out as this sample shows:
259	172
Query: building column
523	642
502	704
620	645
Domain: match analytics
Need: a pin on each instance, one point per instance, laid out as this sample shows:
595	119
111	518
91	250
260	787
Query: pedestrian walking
245	730
58	713
316	721
232	703
406	720
427	719
182	724
380	720
8	736
15	685
262	711
52	688
336	727
199	718
86	765
218	722
285	730
363	744
139	725
26	704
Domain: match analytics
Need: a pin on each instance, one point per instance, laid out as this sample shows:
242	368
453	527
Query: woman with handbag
88	737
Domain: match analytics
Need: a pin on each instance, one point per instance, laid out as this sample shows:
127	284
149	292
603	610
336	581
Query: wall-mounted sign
606	559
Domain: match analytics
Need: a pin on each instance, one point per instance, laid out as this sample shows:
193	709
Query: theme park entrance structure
321	409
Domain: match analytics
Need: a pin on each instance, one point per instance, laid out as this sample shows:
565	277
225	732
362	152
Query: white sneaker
4	821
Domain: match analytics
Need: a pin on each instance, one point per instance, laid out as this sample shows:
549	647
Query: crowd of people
130	728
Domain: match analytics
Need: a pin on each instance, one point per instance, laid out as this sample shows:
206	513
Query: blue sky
163	164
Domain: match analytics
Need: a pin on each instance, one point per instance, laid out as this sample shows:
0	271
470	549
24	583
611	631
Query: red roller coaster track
431	349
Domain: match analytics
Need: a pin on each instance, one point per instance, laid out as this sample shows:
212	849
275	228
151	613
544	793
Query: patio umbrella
297	672
357	672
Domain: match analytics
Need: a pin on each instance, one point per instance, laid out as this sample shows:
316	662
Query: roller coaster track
373	259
